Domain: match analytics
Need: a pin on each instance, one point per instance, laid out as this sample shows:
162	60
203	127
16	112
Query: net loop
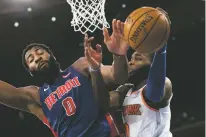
88	15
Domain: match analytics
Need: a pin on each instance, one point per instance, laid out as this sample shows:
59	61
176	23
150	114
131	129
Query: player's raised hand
94	57
166	14
116	43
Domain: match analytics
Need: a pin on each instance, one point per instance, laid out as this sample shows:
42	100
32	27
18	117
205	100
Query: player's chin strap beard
136	77
47	75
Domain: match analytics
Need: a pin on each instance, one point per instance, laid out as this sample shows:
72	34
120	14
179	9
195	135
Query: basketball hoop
88	15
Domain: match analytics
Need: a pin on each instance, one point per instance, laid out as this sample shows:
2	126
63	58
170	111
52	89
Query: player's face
37	59
138	61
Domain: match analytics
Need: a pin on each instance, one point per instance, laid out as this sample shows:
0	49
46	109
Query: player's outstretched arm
19	98
94	58
158	88
100	90
118	72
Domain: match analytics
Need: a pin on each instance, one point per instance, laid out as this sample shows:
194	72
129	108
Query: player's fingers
106	35
90	39
89	45
122	28
164	12
99	48
85	37
87	55
92	51
114	26
92	62
160	9
85	40
118	25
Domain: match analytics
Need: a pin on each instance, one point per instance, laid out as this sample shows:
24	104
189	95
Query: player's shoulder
125	88
168	82
81	65
165	101
168	89
167	94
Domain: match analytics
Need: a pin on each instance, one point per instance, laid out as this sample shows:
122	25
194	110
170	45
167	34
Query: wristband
94	70
117	55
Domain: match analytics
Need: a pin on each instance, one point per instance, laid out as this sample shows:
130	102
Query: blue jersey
70	107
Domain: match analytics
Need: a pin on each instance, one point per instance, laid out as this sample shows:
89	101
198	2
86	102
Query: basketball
147	29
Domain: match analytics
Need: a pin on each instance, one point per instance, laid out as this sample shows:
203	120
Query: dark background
185	60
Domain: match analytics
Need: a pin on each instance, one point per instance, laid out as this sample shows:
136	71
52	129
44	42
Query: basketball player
145	111
146	106
146	102
66	102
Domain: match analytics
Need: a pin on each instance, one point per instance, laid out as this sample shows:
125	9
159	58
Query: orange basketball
146	29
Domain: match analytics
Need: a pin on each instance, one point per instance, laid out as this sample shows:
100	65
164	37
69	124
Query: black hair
30	46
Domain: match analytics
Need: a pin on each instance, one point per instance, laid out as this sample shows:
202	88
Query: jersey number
69	106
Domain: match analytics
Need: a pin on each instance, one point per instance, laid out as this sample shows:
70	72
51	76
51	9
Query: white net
88	15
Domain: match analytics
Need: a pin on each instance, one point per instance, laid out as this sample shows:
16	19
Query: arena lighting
29	9
124	5
16	24
53	19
